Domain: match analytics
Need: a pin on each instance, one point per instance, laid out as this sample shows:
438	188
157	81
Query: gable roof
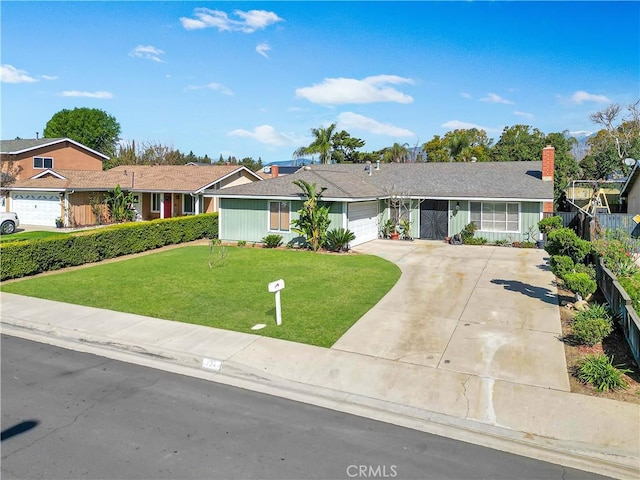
151	178
478	180
630	181
15	147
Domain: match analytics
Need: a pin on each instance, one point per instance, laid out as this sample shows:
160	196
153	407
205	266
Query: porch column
65	206
161	205
197	204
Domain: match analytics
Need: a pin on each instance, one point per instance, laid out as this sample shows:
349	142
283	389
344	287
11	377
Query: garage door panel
36	208
363	221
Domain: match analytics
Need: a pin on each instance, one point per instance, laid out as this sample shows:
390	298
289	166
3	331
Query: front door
434	219
167	205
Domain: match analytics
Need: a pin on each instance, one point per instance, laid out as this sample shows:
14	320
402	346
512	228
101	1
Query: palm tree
321	145
398	153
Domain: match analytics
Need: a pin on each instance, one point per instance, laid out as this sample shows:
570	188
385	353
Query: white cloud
337	91
49	77
249	21
218	87
523	114
465	95
10	74
147	52
264	134
348	120
76	93
494	98
581	97
458	125
262	49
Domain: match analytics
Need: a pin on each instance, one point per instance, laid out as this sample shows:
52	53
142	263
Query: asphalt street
67	414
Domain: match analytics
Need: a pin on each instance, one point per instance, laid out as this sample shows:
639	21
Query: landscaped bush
564	241
618	251
580	283
561	265
548	224
272	241
20	259
592	325
338	239
599	371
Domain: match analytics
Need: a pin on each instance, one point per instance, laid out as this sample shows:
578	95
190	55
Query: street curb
621	465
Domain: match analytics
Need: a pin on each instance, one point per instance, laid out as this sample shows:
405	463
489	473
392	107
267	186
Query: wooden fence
621	305
582	224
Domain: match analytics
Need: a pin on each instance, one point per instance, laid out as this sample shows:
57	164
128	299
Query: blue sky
251	79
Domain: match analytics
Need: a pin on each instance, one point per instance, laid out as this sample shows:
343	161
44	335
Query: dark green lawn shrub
20	259
631	285
338	239
599	371
474	240
580	283
591	326
272	241
561	265
548	224
468	232
564	241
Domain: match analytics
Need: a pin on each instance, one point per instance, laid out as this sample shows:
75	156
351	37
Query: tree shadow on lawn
540	293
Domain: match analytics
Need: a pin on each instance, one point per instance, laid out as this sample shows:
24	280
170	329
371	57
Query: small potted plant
59	222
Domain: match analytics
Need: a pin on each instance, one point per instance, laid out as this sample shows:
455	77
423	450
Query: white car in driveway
8	222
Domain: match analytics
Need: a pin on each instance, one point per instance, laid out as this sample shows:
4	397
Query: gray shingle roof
12	147
507	180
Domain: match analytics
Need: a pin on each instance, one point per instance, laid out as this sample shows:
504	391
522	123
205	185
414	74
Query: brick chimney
548	157
548	160
274	171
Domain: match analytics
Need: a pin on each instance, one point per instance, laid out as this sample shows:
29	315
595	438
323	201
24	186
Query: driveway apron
486	311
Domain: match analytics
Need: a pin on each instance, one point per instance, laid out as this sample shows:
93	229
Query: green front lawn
36	235
324	294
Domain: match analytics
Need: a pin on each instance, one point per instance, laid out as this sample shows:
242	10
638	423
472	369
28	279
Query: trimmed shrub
272	241
591	326
561	265
548	224
338	239
564	241
580	283
20	259
599	371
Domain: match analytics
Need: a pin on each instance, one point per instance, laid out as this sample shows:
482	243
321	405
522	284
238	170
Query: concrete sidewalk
573	430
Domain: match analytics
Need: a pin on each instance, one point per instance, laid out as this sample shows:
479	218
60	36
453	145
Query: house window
279	220
155	202
42	162
495	216
188	205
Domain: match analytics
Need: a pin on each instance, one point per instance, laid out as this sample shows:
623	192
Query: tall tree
397	153
92	127
320	146
344	147
618	139
519	143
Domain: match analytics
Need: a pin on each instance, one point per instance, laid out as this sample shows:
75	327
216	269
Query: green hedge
20	259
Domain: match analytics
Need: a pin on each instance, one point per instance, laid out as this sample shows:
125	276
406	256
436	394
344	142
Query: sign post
275	287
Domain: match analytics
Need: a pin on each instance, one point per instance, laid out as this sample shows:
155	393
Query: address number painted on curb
210	364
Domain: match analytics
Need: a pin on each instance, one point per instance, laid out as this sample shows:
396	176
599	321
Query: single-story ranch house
504	199
62	179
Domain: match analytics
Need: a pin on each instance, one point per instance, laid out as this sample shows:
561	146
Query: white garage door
36	208
363	221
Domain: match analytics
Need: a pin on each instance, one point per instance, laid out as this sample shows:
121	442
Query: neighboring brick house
64	180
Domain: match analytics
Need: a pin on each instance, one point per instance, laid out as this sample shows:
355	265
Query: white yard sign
275	287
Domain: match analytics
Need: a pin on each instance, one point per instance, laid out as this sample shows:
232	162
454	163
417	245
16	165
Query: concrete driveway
479	310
